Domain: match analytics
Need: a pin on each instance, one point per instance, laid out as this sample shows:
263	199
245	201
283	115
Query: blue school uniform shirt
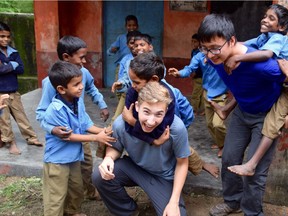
157	160
273	41
121	44
256	86
71	116
48	92
123	76
211	81
11	66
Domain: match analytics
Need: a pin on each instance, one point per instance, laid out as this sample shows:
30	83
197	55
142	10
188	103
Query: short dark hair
69	44
132	34
282	15
131	17
145	65
213	25
4	27
62	72
195	36
147	38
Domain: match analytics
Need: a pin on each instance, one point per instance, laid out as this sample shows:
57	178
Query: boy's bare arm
260	55
102	137
180	175
283	64
127	115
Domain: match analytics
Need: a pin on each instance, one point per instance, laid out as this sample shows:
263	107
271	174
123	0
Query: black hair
145	65
4	27
132	34
147	38
282	15
69	44
213	25
131	17
195	36
62	72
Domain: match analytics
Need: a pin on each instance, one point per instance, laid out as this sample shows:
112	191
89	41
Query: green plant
18	195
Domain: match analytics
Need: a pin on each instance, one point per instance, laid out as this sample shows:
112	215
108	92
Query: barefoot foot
13	149
212	169
242	170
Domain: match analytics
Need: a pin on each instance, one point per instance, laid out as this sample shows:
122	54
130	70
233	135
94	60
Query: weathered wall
179	26
79	18
23	39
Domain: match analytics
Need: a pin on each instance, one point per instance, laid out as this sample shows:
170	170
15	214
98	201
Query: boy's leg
90	191
273	123
75	193
55	184
209	113
120	107
219	125
101	148
18	113
196	99
215	125
7	135
195	162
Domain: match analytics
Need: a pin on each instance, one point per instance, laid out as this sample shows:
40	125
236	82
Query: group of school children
147	143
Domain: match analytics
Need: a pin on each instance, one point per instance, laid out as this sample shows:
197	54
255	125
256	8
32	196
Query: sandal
222	209
35	142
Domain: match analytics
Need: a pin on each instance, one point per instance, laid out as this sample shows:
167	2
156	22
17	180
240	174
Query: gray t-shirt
157	160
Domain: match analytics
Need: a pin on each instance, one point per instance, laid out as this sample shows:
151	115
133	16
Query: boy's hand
106	168
172	209
283	64
61	132
163	138
114	49
104	114
231	64
127	115
105	137
116	86
174	72
2	100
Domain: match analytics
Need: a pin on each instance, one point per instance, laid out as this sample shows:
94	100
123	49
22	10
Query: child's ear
154	78
137	106
60	89
65	57
282	28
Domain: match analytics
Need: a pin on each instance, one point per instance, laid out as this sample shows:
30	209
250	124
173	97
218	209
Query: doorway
150	20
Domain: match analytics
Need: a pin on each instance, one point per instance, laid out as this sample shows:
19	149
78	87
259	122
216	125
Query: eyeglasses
214	51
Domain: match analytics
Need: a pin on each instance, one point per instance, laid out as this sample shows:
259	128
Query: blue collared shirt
211	81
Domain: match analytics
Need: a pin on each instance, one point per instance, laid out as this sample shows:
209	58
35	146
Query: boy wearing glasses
256	86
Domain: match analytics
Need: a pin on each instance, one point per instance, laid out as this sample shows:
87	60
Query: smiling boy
256	86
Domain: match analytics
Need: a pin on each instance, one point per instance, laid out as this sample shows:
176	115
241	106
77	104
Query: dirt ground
197	205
